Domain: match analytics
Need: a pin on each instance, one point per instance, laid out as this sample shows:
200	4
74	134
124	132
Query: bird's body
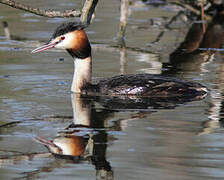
72	37
144	85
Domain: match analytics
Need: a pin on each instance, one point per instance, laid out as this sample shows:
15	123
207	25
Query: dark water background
178	141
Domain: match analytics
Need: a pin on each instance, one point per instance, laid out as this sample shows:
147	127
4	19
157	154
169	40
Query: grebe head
69	36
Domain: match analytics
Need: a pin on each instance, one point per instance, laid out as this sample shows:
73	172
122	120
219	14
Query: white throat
82	74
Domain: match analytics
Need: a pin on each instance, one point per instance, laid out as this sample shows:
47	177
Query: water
167	140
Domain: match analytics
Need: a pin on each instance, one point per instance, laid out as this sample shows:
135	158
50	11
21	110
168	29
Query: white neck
82	74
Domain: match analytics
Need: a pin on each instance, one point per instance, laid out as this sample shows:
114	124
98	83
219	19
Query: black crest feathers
66	28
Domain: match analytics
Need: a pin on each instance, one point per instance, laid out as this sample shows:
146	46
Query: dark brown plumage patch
150	85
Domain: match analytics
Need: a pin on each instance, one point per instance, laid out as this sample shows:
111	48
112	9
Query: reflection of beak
49	144
44	47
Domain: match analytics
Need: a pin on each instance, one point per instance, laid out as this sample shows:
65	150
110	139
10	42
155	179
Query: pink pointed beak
44	47
49	144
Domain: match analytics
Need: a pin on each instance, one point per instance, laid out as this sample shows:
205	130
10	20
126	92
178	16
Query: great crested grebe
72	37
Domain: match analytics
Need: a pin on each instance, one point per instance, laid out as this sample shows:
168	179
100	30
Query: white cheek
66	43
63	44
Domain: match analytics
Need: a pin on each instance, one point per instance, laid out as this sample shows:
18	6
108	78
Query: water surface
176	141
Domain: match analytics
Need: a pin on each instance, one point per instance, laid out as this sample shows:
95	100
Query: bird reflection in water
86	138
83	140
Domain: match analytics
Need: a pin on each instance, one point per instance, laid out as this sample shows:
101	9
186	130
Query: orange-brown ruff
80	43
69	145
71	37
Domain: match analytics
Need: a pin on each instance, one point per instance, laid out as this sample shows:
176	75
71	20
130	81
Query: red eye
63	37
